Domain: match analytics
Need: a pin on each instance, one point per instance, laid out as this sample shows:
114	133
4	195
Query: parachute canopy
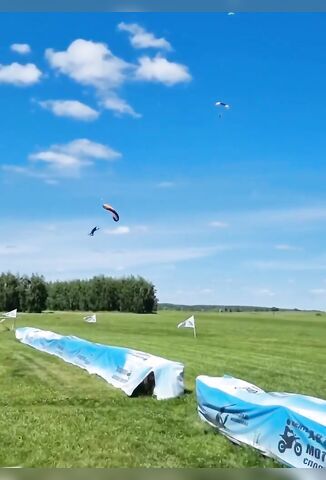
114	212
222	104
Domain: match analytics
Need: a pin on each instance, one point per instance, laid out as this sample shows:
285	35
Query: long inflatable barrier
288	427
123	368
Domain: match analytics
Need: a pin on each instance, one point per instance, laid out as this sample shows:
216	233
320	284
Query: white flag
189	323
11	314
90	318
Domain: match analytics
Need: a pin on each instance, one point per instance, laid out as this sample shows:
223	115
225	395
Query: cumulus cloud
121	230
22	48
70	108
89	63
59	159
83	147
93	64
140	38
125	230
159	69
20	75
119	106
68	159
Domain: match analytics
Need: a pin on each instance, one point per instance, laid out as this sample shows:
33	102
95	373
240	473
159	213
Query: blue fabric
121	367
288	427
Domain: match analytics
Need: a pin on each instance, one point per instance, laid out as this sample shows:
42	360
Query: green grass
56	415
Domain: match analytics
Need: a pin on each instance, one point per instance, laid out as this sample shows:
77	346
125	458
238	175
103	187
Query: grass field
56	415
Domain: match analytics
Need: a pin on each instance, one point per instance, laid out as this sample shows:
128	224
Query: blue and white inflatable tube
123	368
288	427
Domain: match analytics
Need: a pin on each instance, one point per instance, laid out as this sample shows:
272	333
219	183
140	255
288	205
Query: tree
9	288
37	294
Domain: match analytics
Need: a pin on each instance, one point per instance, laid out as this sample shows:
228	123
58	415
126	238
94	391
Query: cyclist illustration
289	440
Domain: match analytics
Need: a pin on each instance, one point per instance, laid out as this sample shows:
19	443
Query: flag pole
195	334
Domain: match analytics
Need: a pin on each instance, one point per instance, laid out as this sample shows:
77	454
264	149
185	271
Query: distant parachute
114	212
222	104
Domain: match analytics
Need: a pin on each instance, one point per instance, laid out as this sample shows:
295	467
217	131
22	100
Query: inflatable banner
121	367
288	427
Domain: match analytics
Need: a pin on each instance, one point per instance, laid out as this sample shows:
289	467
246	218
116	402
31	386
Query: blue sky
119	108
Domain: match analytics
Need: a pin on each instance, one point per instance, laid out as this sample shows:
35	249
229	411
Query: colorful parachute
111	209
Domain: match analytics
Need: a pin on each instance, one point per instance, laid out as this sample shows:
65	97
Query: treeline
100	293
220	308
34	294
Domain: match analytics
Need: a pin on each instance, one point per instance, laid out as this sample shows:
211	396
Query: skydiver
93	231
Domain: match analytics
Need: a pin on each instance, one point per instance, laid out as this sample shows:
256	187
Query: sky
217	206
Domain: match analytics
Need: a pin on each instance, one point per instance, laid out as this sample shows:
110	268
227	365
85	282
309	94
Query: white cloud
125	230
218	224
119	106
264	292
22	48
29	172
89	63
166	185
318	291
121	230
140	38
314	264
15	250
159	69
20	75
206	291
288	219
141	229
71	249
286	247
83	147
286	215
93	64
68	159
70	108
58	159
